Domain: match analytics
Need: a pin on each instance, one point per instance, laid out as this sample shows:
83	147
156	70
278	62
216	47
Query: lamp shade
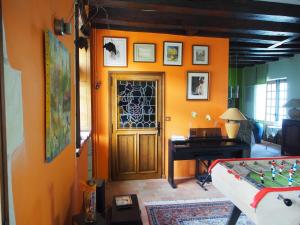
293	103
293	112
233	114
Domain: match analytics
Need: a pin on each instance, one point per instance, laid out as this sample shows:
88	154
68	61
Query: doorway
137	102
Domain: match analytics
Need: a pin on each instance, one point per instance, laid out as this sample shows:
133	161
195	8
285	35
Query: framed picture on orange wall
144	52
115	51
197	85
173	53
200	55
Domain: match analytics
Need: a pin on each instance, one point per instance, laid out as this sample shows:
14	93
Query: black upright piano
204	144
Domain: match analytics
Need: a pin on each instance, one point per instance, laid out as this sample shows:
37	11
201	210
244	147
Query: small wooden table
126	216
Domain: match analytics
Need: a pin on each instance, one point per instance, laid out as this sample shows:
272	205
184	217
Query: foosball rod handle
288	202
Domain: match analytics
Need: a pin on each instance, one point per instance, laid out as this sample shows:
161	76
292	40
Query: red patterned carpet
198	213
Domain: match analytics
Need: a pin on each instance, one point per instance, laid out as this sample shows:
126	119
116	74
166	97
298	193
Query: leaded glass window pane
136	104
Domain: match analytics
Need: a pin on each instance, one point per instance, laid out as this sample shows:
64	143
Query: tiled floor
160	190
265	149
188	189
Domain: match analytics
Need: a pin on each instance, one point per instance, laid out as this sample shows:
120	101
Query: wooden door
137	112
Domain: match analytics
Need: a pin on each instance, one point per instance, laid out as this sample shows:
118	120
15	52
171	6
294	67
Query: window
276	98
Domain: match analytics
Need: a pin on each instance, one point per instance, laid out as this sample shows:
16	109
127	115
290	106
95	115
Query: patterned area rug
196	213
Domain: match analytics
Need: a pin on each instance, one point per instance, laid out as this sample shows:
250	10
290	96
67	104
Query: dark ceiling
252	26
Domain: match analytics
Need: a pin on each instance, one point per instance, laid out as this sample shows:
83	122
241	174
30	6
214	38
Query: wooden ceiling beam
262	11
260	45
265	52
233	56
251	60
252	40
190	20
260	53
239	35
286	41
265	49
167	27
253	57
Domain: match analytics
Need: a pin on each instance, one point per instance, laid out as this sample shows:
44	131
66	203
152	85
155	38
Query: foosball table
267	190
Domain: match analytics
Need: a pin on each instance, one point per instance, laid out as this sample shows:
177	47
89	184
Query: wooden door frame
3	150
162	122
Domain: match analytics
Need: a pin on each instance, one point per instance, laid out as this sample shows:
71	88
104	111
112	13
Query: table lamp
232	126
293	112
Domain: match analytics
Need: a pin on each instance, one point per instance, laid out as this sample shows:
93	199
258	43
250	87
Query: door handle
158	128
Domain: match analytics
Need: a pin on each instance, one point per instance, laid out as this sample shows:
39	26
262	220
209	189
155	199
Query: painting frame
198	83
200	55
173	53
120	59
58	96
144	52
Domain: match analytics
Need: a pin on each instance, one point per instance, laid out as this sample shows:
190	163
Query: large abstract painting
58	96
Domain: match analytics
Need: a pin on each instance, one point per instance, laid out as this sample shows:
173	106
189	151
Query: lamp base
232	129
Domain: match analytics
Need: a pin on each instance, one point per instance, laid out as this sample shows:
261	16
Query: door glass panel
136	104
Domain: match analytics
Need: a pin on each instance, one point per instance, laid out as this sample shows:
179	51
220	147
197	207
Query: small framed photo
115	51
143	52
200	55
173	53
123	201
197	85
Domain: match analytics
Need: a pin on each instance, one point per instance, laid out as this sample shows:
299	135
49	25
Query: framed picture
197	85
123	201
58	96
143	52
173	53
200	55
115	51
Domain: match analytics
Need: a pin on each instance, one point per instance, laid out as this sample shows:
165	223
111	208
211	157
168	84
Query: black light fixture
61	27
82	42
86	29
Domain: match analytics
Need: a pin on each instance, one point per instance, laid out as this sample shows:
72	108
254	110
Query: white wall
289	68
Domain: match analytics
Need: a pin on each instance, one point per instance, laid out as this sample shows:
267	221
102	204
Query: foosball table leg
234	216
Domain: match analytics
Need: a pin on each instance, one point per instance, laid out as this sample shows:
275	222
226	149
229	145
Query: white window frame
274	111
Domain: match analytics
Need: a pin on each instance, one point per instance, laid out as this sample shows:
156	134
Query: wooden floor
159	190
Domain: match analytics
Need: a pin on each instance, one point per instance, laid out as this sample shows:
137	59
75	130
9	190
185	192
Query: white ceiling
294	2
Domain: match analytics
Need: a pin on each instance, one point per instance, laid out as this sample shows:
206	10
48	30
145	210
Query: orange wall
82	174
43	192
176	105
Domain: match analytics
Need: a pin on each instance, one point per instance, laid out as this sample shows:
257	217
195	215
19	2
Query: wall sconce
62	28
82	42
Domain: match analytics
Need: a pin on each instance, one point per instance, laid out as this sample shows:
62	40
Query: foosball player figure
295	166
281	166
291	172
273	164
261	175
273	174
290	180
